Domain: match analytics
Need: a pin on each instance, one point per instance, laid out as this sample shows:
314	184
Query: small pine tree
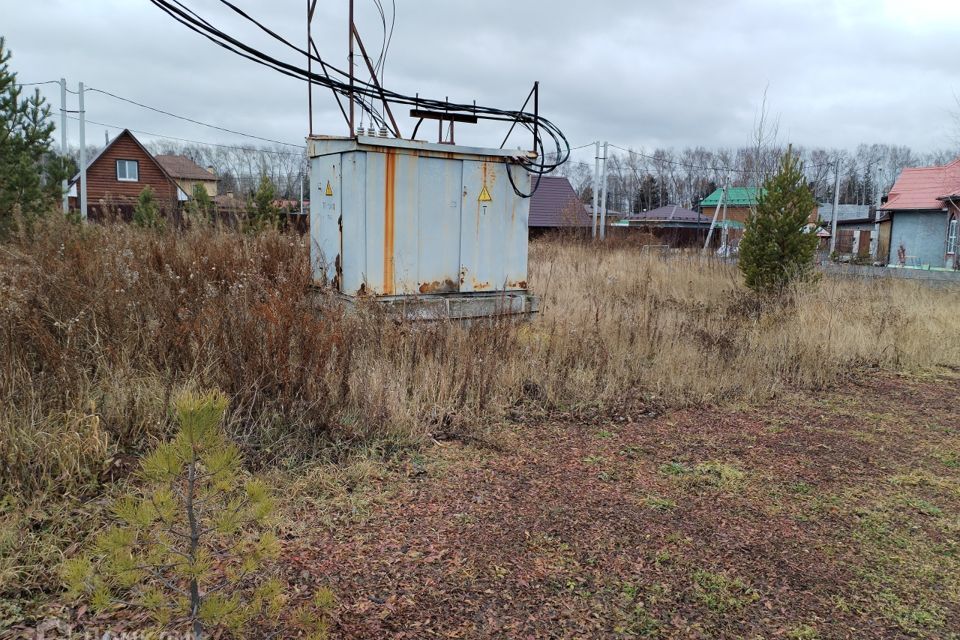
146	213
200	208
264	213
776	248
190	546
30	172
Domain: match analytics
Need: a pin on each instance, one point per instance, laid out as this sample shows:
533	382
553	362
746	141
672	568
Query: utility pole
83	158
65	186
724	233
350	68
713	223
875	236
836	205
310	70
603	205
596	189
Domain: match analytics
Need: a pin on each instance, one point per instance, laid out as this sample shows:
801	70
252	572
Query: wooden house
118	175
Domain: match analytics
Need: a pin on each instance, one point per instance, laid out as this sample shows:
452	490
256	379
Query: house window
952	236
128	170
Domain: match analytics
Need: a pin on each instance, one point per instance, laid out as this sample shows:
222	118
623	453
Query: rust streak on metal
480	286
444	286
388	220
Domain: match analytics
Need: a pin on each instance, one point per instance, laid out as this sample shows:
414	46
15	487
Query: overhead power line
167	113
37	84
200	142
360	91
191	120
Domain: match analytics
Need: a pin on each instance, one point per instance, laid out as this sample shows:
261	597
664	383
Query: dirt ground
815	516
830	516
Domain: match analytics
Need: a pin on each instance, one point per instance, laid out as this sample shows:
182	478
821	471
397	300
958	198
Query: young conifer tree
190	546
264	213
146	213
777	248
30	172
200	208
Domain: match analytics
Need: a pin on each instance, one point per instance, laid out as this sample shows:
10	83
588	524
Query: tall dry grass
101	325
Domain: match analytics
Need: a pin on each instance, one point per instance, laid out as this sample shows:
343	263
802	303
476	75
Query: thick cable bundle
365	93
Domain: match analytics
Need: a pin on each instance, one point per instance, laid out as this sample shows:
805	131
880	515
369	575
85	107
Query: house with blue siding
923	214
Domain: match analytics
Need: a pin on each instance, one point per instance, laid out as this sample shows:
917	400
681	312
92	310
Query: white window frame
953	230
126	165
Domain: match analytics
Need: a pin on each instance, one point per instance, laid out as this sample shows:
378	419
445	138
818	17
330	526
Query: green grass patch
658	503
722	593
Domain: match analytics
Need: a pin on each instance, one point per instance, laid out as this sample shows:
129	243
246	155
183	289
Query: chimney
211	170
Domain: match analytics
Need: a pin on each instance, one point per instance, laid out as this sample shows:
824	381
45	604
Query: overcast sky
640	73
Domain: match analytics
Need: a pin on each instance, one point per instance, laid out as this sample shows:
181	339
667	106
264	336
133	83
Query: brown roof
555	204
184	168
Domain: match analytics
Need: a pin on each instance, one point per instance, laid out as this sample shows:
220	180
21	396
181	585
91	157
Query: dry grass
100	326
685	328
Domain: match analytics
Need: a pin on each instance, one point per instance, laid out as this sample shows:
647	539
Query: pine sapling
264	213
189	547
146	213
200	208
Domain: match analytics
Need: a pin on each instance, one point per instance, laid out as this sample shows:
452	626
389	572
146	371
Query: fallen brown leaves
632	528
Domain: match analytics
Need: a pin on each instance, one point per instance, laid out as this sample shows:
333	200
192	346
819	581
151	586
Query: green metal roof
736	197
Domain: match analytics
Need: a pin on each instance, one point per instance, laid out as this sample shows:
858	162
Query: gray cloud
642	74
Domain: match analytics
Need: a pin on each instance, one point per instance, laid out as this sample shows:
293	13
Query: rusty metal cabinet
402	218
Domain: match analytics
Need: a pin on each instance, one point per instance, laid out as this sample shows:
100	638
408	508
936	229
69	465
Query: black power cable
361	91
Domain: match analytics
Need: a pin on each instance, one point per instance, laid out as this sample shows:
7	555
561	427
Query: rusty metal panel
407	253
440	198
378	211
325	196
516	229
417	219
493	239
354	239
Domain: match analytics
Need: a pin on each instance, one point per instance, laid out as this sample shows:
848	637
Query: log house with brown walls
118	175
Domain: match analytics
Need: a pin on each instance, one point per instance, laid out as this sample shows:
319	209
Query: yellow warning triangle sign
329	189
484	195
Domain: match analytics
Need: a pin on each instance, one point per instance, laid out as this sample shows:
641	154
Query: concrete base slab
452	306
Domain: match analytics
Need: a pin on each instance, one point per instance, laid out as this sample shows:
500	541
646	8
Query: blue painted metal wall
923	235
408	218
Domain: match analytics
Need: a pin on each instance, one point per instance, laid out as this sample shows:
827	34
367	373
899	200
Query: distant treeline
642	180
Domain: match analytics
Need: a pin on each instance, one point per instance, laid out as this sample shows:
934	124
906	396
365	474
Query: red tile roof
924	188
184	168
